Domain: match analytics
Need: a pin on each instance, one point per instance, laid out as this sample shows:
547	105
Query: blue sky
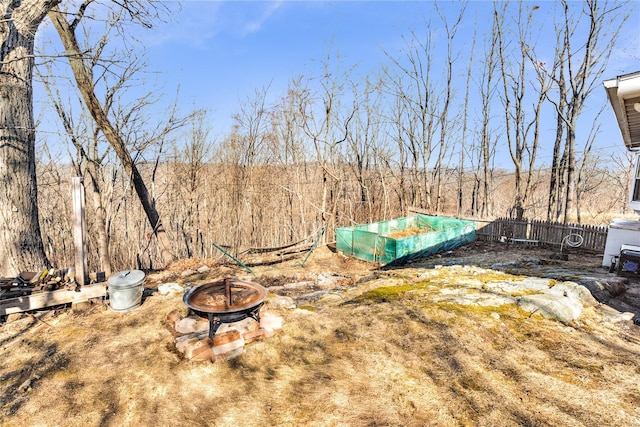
220	53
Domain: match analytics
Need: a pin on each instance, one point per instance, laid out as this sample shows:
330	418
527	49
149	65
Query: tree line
335	149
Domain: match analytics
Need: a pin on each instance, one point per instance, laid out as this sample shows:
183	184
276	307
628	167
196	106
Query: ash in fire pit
226	301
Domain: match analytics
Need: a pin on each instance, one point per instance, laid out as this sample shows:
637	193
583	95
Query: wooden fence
543	232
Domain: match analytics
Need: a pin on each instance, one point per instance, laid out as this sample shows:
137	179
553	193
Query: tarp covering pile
403	239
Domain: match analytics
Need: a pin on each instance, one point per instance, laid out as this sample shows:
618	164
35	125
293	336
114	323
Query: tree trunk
571	167
86	88
20	238
556	169
101	219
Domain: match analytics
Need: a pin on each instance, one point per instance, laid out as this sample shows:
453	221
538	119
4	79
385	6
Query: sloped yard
395	347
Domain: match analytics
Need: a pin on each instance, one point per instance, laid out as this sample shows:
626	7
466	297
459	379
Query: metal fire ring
226	301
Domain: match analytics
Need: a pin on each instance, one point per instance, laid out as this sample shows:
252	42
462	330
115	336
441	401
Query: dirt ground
380	352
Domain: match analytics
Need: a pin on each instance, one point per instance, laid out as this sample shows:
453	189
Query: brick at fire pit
228	345
255	335
195	348
192	342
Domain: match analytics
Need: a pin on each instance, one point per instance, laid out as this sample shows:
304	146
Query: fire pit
225	301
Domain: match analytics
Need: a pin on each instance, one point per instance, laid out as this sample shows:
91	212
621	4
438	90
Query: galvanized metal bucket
125	290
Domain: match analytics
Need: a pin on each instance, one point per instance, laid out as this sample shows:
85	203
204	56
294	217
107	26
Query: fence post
79	231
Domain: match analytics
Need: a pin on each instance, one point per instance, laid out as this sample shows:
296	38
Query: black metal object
628	262
215	320
225	301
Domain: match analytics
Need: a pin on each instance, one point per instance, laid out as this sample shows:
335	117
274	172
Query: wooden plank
526	241
48	299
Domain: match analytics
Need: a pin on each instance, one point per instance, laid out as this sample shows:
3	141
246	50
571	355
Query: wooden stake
79	235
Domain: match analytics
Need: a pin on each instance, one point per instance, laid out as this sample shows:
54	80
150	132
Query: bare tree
398	165
327	127
444	122
249	148
361	145
463	145
291	154
487	86
84	137
620	177
84	79
414	88
190	166
20	237
580	60
589	176
522	146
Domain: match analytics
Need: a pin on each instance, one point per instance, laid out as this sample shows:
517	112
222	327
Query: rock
564	302
329	281
615	286
299	285
622	317
527	261
530	260
159	275
203	269
633	292
575	291
271	323
562	308
512	287
330	299
191	324
367	278
613	315
596	287
280	302
505	265
171	288
477	299
188	272
332	281
311	297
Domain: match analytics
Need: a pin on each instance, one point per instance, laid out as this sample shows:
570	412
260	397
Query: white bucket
125	290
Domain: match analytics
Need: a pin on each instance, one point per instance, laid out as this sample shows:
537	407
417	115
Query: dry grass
406	232
396	361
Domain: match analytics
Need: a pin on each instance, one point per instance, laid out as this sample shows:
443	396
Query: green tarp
384	242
